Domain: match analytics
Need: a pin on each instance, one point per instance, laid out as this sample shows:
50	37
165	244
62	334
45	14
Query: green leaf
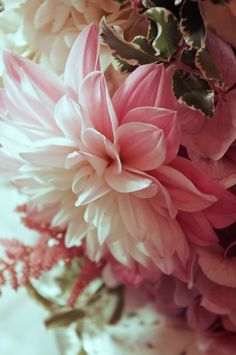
168	37
64	319
194	92
191	24
188	57
144	44
206	65
128	53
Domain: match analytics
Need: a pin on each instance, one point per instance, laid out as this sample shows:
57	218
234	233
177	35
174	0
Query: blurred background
22	331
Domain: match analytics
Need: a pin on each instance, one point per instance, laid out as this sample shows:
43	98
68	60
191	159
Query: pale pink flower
107	168
50	27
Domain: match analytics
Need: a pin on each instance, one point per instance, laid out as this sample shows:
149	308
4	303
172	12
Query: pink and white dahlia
107	168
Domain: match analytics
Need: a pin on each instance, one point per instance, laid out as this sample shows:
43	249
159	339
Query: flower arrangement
128	168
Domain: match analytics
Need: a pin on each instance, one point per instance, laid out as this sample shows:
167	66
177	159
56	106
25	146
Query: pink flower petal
50	153
224	58
142	88
68	118
83	59
95	99
94	189
25	108
214	136
46	81
217	267
222	171
127	181
164	119
199	318
197	228
141	145
216	298
97	144
223	211
96	162
185	195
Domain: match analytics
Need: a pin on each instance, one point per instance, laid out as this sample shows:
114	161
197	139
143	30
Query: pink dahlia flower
107	168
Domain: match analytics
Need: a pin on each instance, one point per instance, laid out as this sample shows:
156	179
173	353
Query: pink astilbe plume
107	169
22	262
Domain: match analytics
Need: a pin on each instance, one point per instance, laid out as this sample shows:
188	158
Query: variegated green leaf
206	65
191	24
129	54
144	44
194	92
168	37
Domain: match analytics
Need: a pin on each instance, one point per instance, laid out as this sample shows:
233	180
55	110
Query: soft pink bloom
107	169
211	138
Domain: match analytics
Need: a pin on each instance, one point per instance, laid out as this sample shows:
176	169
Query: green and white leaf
206	65
128	54
168	37
192	25
194	92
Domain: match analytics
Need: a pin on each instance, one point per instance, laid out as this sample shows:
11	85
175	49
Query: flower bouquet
118	126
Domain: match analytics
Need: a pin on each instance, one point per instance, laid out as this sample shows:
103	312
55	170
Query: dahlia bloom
107	169
50	27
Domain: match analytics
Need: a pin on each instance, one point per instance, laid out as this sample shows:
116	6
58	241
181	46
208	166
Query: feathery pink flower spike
107	169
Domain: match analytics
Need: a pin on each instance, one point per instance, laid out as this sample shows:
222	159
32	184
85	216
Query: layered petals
137	90
107	169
